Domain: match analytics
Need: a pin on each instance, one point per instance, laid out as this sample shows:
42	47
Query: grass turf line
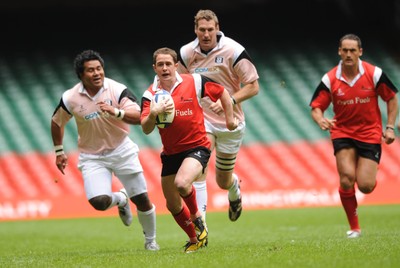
301	237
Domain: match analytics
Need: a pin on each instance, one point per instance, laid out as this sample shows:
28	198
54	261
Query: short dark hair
84	56
351	37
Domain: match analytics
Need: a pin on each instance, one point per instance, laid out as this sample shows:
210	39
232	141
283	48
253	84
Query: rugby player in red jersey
353	88
186	148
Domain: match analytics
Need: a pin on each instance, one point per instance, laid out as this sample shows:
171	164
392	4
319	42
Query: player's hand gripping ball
165	119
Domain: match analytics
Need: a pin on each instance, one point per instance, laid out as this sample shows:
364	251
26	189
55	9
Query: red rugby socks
349	202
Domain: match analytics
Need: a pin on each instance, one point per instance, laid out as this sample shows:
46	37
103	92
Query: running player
186	150
353	88
103	110
227	62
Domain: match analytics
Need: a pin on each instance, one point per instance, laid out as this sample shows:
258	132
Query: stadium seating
282	147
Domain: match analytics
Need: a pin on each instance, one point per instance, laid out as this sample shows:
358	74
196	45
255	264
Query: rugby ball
163	120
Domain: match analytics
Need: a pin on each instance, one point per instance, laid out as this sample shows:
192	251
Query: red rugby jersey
355	103
187	130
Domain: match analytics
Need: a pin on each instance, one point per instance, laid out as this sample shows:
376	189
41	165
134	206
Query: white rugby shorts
226	141
123	162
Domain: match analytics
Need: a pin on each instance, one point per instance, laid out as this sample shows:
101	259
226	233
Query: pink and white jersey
97	132
228	64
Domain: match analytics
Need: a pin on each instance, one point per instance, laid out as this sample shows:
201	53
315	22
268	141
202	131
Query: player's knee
101	202
142	202
182	186
347	181
182	190
367	188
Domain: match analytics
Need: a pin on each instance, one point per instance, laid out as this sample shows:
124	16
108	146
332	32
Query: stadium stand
284	153
285	160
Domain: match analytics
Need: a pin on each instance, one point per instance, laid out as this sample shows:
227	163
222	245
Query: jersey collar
82	89
156	85
340	77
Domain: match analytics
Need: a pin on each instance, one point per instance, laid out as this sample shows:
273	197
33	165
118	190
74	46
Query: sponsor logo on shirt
356	100
95	115
206	70
187	112
92	116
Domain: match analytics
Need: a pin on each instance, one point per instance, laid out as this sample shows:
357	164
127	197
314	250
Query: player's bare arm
57	134
129	115
149	122
246	92
231	121
392	110
318	117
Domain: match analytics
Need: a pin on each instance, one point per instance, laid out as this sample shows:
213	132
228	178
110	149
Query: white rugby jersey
228	64
97	132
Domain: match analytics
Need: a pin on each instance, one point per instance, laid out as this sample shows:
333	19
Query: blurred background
285	161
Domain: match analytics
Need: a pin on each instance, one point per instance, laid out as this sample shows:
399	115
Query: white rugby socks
234	191
118	199
201	196
148	221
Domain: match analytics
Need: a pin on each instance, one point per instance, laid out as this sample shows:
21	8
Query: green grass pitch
298	237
